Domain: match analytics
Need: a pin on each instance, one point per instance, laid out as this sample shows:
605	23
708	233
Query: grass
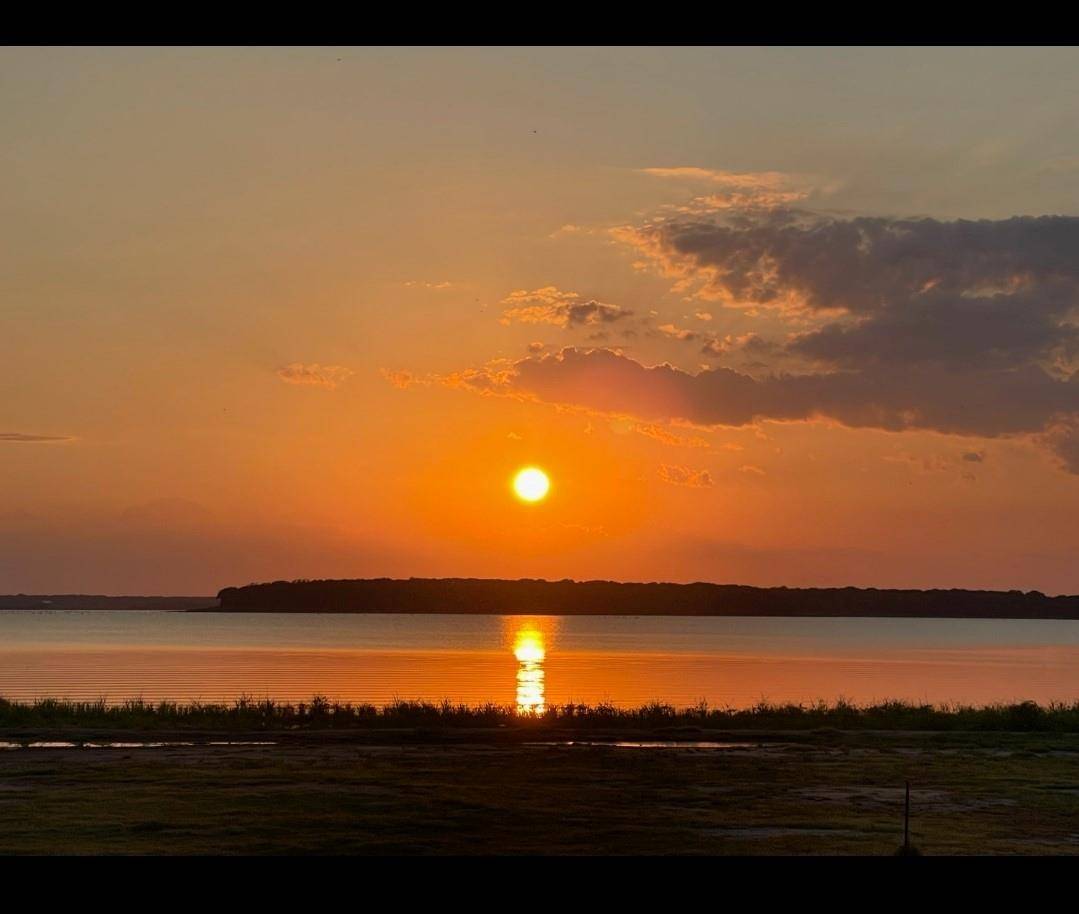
360	779
320	714
324	795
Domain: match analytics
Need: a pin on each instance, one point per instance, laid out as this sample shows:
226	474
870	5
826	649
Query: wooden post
906	822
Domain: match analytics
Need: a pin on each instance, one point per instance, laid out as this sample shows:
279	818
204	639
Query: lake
532	661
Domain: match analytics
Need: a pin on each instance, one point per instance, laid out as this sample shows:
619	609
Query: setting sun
531	484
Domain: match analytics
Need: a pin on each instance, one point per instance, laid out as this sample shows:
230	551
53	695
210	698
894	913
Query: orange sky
271	314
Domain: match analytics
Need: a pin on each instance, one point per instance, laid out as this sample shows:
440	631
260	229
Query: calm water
532	661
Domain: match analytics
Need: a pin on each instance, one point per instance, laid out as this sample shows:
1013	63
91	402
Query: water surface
532	661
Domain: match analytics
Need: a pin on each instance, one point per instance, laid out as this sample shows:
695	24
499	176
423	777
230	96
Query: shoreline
495	613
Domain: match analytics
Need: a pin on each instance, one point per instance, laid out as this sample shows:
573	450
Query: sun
531	484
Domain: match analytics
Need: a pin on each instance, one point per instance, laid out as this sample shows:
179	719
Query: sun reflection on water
528	648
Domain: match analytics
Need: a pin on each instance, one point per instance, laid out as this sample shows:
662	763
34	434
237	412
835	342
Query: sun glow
531	484
528	648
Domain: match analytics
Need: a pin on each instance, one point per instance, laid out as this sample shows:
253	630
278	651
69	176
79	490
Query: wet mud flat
484	792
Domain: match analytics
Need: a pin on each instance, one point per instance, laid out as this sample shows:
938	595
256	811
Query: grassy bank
414	778
319	714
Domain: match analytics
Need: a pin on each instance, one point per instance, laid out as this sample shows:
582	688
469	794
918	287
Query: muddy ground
420	792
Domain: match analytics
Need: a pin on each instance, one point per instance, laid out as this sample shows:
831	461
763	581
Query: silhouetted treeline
98	601
536	597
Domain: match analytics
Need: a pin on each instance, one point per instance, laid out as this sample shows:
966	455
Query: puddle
132	745
122	745
242	743
651	744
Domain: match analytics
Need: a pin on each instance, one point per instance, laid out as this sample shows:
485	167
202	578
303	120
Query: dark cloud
865	263
1001	330
981	294
982	403
593	312
985	404
966	327
748	343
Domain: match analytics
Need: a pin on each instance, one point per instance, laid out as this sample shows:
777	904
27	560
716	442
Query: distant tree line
538	597
82	601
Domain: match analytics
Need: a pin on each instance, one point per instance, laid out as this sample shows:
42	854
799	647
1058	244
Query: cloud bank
962	327
978	294
975	403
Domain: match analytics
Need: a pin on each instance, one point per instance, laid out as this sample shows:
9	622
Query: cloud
714	346
421	284
733	191
985	403
571	229
880	290
494	379
964	327
664	435
998	331
551	305
924	463
684	476
314	375
400	379
973	403
748	343
1062	440
679	333
32	439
